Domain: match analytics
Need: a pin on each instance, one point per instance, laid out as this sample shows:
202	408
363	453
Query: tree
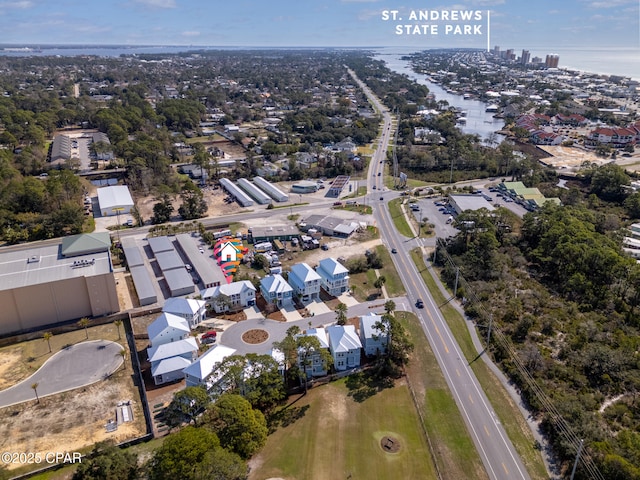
108	462
181	453
220	464
193	204
399	345
186	405
118	324
609	181
46	336
84	323
256	377
389	307
162	210
341	314
35	390
379	283
240	428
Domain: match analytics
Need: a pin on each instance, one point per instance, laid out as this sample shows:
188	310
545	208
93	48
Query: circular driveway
75	366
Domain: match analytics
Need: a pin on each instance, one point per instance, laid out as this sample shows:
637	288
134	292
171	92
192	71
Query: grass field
399	220
331	435
504	406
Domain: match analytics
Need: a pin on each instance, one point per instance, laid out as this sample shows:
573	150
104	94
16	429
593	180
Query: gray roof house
315	367
334	276
374	341
167	328
345	346
276	290
238	295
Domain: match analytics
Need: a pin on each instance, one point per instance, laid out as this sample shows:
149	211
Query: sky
532	24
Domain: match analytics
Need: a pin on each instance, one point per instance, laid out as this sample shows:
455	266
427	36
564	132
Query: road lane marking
505	468
471	400
458	372
486	430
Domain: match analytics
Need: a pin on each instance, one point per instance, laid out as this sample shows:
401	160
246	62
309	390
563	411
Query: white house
304	281
114	200
374	341
168	360
334	276
167	328
315	367
198	371
276	290
228	252
345	346
239	295
192	310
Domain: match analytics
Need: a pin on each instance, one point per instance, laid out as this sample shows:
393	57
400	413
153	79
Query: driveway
232	336
75	366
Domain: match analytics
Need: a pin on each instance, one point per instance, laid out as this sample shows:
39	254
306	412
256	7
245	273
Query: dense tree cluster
560	288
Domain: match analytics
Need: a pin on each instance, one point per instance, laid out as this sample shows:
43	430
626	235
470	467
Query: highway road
498	454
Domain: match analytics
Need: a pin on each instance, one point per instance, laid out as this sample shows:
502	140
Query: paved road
76	366
496	450
232	336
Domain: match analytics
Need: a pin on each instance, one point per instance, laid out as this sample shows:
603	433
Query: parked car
337	204
209	337
324	246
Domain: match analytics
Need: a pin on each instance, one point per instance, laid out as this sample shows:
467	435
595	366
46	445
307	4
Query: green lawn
331	435
504	406
455	453
399	220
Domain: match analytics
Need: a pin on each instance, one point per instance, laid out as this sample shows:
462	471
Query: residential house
314	366
374	341
276	290
334	277
168	360
345	346
167	328
230	297
192	310
614	137
304	281
199	371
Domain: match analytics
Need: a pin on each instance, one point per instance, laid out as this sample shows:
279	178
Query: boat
492	108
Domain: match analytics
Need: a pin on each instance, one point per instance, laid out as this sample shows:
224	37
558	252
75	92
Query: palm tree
47	337
379	283
35	389
341	314
118	324
389	306
85	322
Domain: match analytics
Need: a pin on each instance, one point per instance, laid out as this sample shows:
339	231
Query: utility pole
575	464
455	288
489	331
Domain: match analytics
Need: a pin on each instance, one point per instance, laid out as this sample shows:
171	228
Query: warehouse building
254	192
142	281
269	234
469	202
115	200
304	186
45	285
232	189
271	190
207	269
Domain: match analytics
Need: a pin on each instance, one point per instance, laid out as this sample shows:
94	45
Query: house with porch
334	277
314	366
305	282
168	360
345	346
199	371
230	297
276	290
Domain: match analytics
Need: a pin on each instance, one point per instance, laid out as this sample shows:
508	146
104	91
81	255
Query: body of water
479	121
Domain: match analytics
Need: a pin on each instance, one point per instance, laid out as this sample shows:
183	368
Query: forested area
565	297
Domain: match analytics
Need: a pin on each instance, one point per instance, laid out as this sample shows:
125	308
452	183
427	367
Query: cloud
158	3
21	4
486	3
192	33
359	1
610	3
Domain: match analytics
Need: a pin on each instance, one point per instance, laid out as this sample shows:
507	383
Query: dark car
393	250
419	303
381	198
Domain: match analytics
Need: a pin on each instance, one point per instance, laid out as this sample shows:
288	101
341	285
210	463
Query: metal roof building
160	244
179	282
233	190
144	285
207	269
132	252
169	260
469	202
267	234
338	185
114	200
40	286
254	192
271	190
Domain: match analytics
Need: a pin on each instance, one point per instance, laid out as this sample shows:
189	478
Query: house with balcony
276	291
192	310
334	277
313	365
345	346
374	340
231	296
305	282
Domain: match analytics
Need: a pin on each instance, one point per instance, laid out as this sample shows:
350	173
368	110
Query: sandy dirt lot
572	157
